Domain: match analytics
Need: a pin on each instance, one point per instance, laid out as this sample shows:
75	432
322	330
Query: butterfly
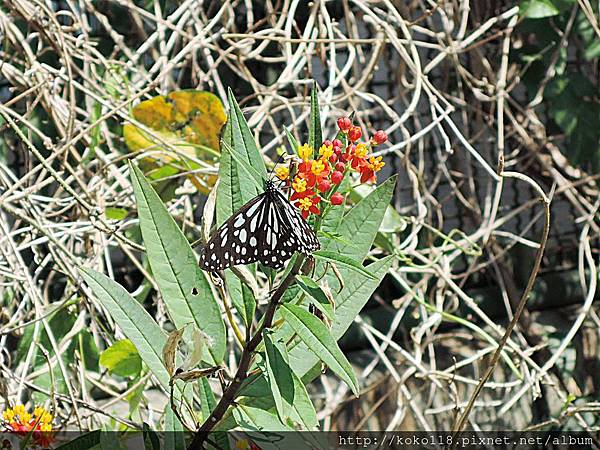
267	229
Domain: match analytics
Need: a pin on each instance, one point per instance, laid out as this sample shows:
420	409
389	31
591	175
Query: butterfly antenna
275	166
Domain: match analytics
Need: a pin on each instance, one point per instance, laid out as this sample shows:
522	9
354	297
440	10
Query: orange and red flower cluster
18	420
318	176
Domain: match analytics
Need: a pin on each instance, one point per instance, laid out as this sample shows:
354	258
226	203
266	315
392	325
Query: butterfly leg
216	278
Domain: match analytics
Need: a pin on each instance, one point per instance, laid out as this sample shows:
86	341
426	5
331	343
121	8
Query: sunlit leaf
122	358
184	287
189	121
317	338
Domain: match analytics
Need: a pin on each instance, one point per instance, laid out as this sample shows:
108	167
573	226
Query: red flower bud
327	142
333	158
379	137
344	123
337	176
337	144
337	199
324	185
354	133
344	157
340	167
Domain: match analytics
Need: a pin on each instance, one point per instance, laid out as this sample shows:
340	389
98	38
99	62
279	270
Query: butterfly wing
307	241
266	229
278	241
236	241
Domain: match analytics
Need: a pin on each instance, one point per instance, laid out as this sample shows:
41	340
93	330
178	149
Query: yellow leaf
189	121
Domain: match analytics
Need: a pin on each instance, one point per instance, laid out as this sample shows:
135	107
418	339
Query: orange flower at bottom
308	205
18	420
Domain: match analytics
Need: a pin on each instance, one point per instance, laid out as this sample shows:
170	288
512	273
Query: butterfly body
267	229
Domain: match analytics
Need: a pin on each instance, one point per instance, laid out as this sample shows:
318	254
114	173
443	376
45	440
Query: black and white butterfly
267	229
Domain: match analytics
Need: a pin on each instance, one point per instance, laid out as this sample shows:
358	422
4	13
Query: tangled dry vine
474	154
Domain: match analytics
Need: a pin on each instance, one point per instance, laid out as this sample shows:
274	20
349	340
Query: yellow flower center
8	415
305	151
299	184
326	151
360	151
375	164
305	204
317	167
19	416
282	173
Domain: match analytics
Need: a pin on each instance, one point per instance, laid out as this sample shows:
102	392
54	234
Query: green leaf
250	173
537	9
315	137
250	418
342	260
233	190
349	302
249	304
109	440
174	437
115	213
207	398
135	322
279	376
292	140
83	442
359	226
122	358
183	285
314	291
317	338
302	409
151	441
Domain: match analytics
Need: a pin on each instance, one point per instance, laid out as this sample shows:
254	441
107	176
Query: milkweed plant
282	340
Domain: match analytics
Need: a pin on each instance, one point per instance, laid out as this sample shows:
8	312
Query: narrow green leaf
243	139
109	440
183	285
317	338
314	291
342	260
174	437
279	376
135	322
292	140
241	296
315	137
359	226
249	304
250	173
83	442
207	398
349	302
302	410
234	190
151	441
250	418
231	196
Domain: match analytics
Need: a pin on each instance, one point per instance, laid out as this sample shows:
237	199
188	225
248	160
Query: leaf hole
194	291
